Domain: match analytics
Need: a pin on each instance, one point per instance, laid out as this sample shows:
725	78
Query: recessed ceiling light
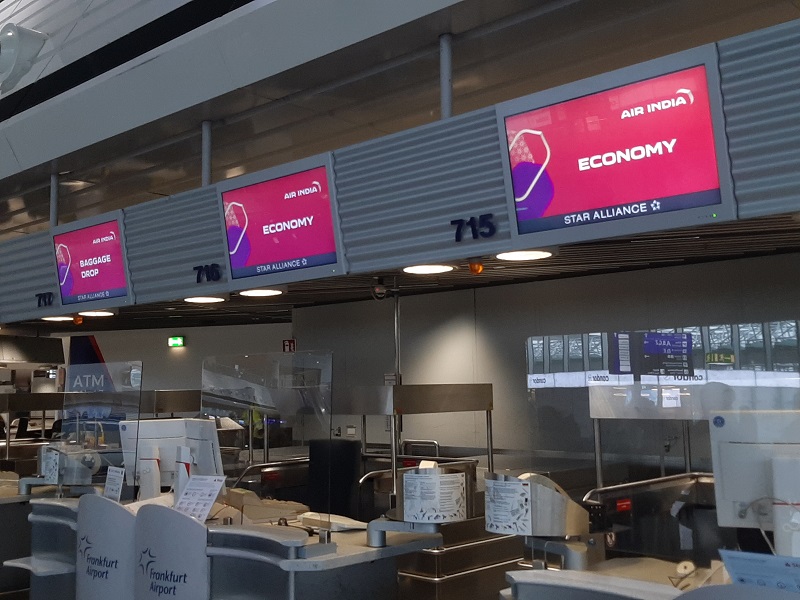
525	255
261	293
204	299
96	313
427	269
57	318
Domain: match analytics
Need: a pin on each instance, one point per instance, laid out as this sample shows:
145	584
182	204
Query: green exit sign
176	341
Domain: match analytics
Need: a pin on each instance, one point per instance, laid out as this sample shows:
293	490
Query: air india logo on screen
530	155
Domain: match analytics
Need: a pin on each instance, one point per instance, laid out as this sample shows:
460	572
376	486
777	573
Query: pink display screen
280	225
90	263
641	149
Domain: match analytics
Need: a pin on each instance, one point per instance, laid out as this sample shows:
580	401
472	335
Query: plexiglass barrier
273	413
693	432
87	439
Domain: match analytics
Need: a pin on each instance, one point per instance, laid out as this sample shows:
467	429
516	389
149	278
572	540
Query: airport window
556	351
536	355
783	346
596	352
575	349
752	353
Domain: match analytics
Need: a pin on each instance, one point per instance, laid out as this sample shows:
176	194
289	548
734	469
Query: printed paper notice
199	495
50	467
434	497
508	507
114	479
762	570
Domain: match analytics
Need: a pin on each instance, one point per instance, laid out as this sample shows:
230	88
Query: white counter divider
170	556
105	560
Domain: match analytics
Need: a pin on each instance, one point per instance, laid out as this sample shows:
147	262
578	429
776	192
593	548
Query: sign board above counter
281	224
90	263
636	150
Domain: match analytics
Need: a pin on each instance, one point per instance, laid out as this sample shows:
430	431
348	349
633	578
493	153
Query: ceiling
501	50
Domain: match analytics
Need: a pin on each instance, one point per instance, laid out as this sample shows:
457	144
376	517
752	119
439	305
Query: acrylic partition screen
91	263
735	413
98	398
272	408
594	159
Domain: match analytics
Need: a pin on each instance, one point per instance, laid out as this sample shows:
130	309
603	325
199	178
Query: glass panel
720	341
277	412
536	355
595	351
698	352
575	345
99	403
783	336
752	351
556	347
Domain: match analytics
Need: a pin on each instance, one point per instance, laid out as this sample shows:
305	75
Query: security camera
378	289
19	48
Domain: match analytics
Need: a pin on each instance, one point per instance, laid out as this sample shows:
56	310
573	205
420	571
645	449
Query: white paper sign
50	467
434	497
762	570
114	480
199	495
508	507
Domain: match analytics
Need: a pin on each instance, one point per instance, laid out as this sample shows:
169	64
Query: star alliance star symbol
655	205
84	545
146	558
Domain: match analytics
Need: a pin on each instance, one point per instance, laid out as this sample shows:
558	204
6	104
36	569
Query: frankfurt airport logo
84	546
162	583
146	560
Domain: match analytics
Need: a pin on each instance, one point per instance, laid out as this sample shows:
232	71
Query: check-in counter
14	511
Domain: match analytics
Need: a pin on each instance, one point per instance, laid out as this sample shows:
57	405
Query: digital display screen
279	225
90	263
641	149
651	353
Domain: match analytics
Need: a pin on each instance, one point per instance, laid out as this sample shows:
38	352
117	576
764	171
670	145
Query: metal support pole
393	433
687	447
598	453
489	442
266	437
8	436
363	433
446	74
205	154
397	338
53	194
251	416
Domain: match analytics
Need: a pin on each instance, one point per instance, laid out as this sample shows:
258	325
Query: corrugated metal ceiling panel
167	238
398	194
760	74
28	270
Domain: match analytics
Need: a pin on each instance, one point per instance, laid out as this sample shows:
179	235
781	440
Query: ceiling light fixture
427	269
204	299
525	255
97	313
57	319
261	293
